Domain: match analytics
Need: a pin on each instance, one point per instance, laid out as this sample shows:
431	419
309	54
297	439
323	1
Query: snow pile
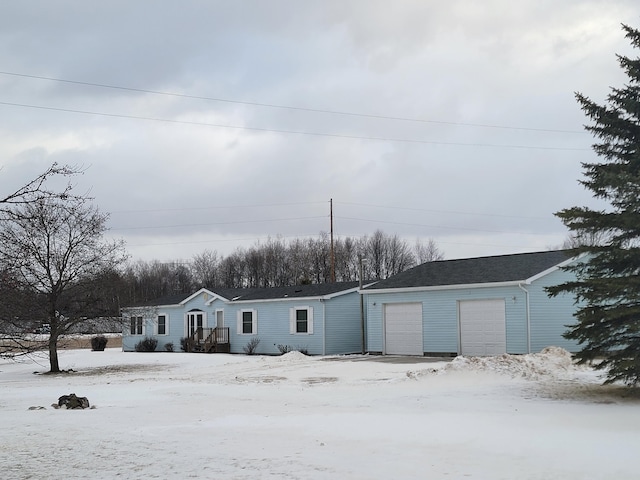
293	356
550	362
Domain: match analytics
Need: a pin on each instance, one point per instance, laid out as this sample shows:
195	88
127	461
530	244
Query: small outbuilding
474	307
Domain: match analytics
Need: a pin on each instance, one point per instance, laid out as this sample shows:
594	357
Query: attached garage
473	306
482	327
403	329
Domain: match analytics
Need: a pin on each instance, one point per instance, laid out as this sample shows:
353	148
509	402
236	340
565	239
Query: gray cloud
463	67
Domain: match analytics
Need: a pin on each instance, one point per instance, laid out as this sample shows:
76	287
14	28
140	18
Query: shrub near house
99	343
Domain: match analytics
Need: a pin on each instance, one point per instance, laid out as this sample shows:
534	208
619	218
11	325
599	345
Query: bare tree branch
53	251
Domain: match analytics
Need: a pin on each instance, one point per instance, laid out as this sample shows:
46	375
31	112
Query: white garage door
403	329
482	327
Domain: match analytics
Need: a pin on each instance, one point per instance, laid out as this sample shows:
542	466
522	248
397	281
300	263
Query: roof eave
550	270
288	299
340	293
147	307
442	287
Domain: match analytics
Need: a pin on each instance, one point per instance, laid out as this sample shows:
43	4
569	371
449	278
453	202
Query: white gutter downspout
528	313
324	329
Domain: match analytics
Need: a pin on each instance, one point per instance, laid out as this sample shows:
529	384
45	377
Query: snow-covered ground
177	415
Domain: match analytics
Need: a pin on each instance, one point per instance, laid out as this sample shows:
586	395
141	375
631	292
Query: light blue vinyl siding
440	316
273	327
129	341
343	331
174	320
175	323
550	316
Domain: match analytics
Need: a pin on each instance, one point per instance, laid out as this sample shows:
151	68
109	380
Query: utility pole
361	304
332	253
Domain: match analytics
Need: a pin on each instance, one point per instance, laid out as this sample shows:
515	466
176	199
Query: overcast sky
217	124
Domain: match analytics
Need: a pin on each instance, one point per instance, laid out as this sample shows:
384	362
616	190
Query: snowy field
177	415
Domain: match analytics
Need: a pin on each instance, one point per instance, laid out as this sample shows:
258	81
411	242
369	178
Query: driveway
396	359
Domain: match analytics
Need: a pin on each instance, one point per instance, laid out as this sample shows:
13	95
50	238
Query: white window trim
186	320
220	311
254	321
144	326
292	320
166	325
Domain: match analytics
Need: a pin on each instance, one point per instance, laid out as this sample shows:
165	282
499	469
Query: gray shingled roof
468	271
314	290
240	294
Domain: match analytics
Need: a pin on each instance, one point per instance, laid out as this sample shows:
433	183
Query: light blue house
319	319
475	306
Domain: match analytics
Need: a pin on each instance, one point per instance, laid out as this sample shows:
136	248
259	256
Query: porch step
210	340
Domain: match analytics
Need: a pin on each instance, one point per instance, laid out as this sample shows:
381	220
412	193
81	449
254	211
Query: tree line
276	263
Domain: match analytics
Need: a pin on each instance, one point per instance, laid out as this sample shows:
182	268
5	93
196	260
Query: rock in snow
72	401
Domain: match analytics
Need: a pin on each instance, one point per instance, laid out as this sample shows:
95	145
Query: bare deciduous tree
152	280
375	253
275	259
255	262
398	256
428	252
386	255
204	269
53	248
37	190
319	253
18	318
585	239
347	253
233	270
299	262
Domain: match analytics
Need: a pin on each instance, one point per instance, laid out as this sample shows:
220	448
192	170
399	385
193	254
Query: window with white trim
247	322
219	318
137	326
162	324
301	320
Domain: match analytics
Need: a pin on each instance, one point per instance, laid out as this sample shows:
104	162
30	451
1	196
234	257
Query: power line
324	216
293	132
149	227
316	217
218	207
308	236
217	240
289	107
448	212
391	207
433	226
440	242
215	223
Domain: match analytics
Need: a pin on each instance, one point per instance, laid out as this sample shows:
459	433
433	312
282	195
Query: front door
220	326
195	320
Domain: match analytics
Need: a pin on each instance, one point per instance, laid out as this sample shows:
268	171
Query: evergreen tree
607	285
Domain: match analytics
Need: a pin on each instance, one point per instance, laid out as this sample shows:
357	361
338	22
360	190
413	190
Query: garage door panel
403	328
482	327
